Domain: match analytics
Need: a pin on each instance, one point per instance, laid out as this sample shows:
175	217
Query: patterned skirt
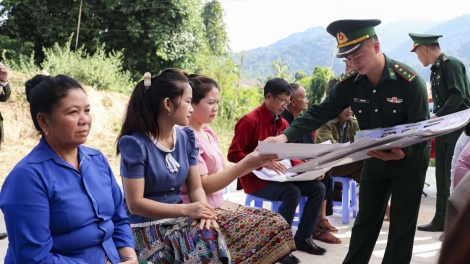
255	235
175	241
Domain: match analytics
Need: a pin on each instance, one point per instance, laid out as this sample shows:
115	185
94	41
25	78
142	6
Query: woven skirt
175	241
255	235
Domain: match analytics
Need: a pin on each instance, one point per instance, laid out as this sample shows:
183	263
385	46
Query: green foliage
102	71
46	22
11	49
234	101
153	35
299	75
281	70
216	35
26	65
319	81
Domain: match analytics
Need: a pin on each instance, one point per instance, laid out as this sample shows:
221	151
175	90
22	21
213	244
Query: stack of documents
324	156
271	175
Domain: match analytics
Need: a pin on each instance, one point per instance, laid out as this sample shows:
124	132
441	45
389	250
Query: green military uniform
399	97
333	131
4	95
450	93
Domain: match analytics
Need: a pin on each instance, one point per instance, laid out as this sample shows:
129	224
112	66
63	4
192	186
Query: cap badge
394	100
341	37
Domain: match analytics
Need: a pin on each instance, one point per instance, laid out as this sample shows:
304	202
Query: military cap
351	34
423	39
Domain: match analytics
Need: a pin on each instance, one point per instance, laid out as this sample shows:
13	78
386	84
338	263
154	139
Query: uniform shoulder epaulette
348	75
404	72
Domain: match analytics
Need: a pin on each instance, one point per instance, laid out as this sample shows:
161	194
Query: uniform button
360	111
438	106
374	91
172	189
165	195
376	110
394	111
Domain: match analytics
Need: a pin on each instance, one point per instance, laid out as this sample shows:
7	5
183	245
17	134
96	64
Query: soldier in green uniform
5	92
382	93
450	93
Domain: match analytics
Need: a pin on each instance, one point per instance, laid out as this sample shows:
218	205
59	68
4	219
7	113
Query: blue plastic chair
226	193
349	198
258	203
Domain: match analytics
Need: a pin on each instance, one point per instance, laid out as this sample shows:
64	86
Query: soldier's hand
279	139
393	154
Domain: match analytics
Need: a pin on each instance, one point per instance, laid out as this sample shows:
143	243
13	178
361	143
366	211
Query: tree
299	75
216	34
45	22
281	70
152	34
11	49
319	80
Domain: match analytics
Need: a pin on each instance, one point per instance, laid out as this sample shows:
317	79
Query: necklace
171	164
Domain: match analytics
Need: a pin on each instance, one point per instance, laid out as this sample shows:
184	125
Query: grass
224	130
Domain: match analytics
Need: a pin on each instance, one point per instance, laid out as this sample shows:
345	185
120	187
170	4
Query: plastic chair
258	203
226	193
349	199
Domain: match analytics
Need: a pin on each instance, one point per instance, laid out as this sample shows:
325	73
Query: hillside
107	109
314	47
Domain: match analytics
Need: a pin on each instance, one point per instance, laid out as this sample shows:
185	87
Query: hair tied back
147	80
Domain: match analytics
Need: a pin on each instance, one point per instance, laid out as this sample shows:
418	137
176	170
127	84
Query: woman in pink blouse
252	234
462	166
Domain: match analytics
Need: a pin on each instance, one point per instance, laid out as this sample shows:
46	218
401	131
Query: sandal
325	236
324	225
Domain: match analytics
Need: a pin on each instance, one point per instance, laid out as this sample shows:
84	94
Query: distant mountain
455	42
314	47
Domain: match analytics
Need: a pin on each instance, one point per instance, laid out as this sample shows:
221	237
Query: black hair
433	46
201	86
277	86
45	92
145	103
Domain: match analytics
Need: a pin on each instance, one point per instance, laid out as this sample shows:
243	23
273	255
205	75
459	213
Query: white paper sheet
331	155
270	175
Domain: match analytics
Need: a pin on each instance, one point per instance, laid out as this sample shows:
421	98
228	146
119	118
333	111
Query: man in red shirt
261	123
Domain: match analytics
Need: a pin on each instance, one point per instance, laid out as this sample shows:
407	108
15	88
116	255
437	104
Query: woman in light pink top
462	166
252	234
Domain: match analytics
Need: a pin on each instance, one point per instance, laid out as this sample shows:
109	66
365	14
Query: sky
259	23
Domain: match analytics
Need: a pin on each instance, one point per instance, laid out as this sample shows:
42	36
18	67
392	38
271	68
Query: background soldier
450	93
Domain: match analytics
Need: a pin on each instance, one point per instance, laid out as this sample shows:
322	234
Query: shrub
100	70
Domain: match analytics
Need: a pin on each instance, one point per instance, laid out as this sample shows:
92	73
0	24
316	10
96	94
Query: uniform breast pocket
362	111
